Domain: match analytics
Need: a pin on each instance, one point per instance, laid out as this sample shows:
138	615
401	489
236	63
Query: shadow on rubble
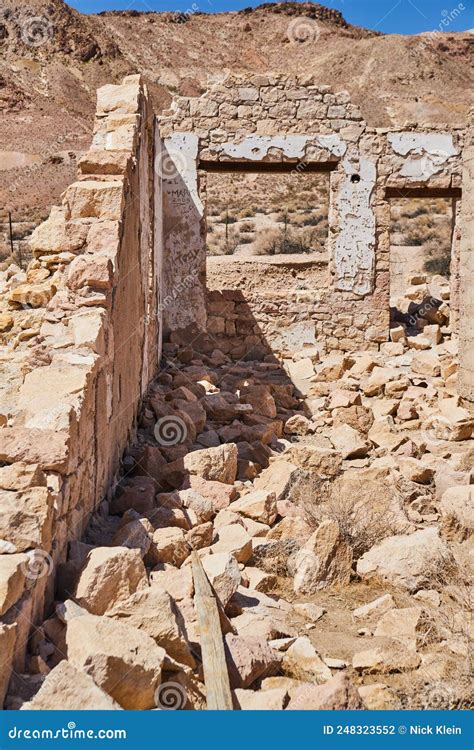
419	315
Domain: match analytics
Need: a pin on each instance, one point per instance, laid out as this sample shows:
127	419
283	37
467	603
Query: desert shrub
363	519
247	226
439	263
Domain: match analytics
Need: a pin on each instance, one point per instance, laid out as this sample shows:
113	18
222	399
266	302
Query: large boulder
337	694
123	661
153	611
249	659
302	658
324	560
110	575
407	560
212	464
66	688
224	574
259	506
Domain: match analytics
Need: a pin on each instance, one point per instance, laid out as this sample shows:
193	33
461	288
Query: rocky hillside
54	58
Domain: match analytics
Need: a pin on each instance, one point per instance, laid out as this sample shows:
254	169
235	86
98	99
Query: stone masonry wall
466	295
81	343
277	119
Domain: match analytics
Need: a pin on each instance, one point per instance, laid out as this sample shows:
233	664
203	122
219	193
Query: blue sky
390	16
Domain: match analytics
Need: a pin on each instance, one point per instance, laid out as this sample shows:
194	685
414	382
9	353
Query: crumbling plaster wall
275	119
92	293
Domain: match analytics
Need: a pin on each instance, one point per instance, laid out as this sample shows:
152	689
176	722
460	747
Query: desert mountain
54	58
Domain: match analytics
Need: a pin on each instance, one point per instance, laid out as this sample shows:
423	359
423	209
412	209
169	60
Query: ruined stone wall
81	343
466	263
296	121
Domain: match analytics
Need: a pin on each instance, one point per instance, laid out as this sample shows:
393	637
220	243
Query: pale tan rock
427	364
249	659
302	658
177	582
325	559
94	199
259	505
379	697
56	235
235	540
398	334
213	464
8	634
337	694
302	369
170	546
324	462
406	560
348	441
276	478
110	576
224	574
136	534
310	611
125	662
32	295
13	576
6	322
384	434
26	518
21	476
200	536
154	612
122	98
261	700
457	513
88	330
415	470
260	580
291	527
298	424
332	367
374	608
202	506
385	660
94	271
69	689
405	625
419	343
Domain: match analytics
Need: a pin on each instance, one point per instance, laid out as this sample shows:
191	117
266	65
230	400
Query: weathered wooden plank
216	676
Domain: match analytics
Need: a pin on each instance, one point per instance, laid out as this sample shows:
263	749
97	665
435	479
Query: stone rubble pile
275	474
